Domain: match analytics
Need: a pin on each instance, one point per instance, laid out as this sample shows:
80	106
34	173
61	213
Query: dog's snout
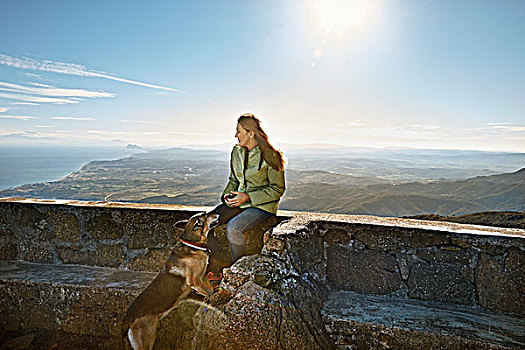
214	221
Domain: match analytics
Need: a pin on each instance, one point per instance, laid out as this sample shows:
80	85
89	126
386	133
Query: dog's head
196	228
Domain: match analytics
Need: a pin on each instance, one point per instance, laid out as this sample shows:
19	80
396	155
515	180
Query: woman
255	185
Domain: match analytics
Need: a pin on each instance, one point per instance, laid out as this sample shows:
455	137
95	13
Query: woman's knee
234	233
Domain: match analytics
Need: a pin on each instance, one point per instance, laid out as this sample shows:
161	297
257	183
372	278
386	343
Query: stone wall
273	300
138	237
431	265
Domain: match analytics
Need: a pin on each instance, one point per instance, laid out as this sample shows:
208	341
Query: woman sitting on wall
255	186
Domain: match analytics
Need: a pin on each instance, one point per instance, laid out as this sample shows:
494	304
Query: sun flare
339	16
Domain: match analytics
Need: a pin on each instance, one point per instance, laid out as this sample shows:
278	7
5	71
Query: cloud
41	85
504	123
42	126
33	75
140	121
69	69
4	109
50	91
425	127
193	133
104	132
73	118
25	103
21	135
501	127
20	117
509	128
33	99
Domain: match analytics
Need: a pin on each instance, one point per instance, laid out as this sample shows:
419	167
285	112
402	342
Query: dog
183	272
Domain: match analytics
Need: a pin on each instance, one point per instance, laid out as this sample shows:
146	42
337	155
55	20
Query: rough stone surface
103	224
337	236
39	253
79	300
65	226
284	287
360	321
500	281
151	261
363	271
265	305
8	249
439	282
394	238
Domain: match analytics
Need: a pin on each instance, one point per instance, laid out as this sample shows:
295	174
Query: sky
445	74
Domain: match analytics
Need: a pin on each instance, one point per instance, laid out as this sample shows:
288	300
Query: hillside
193	177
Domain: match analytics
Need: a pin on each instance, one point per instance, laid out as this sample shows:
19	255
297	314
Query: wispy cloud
140	121
4	109
73	118
509	128
34	99
503	123
193	133
105	132
41	85
25	103
425	127
69	69
50	91
501	127
42	126
21	135
32	75
20	117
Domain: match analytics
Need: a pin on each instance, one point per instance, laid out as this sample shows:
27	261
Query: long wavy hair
270	154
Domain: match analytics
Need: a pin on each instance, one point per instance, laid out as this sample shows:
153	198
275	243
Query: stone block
395	239
500	282
439	282
153	260
453	257
65	226
363	271
29	222
307	255
97	312
40	254
337	236
152	236
75	255
8	251
103	224
275	314
109	255
275	245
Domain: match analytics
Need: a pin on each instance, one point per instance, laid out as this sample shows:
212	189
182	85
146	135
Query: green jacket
264	184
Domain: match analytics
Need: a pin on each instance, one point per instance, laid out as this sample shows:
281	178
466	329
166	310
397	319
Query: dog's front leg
198	282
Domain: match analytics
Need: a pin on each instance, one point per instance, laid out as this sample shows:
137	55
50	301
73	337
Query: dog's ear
181	224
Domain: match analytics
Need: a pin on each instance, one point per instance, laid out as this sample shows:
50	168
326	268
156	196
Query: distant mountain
496	192
391	185
134	147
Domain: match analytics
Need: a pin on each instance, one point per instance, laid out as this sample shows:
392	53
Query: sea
21	165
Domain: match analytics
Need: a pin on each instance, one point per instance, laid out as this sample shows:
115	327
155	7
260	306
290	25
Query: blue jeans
239	221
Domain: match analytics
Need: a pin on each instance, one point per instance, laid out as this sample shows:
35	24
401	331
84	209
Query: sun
340	16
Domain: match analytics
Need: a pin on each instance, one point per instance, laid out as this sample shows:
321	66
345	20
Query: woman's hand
238	199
